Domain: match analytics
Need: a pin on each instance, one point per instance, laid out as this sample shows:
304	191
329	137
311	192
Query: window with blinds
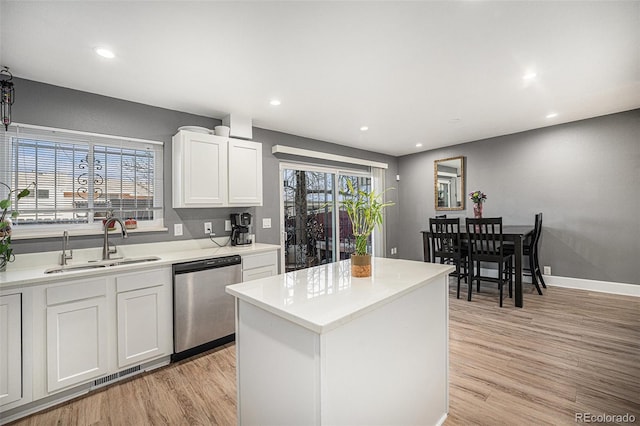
81	178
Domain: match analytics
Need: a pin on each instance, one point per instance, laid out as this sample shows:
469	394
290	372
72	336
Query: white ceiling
436	73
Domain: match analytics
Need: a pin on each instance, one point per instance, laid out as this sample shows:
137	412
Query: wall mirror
448	177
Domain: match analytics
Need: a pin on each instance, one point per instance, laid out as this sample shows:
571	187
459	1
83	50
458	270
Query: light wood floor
568	351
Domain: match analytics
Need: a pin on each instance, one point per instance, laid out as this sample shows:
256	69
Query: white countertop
324	297
28	269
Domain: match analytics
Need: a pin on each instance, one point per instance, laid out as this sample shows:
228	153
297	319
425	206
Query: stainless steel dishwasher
203	314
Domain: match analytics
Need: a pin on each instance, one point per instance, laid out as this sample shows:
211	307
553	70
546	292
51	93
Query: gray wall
584	176
46	105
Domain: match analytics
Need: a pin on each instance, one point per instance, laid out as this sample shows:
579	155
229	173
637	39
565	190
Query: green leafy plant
6	252
365	212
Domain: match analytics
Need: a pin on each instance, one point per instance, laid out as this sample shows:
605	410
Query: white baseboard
593	285
442	419
579	284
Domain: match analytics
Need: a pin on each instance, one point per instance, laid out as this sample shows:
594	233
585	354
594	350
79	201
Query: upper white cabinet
199	170
245	173
10	348
214	171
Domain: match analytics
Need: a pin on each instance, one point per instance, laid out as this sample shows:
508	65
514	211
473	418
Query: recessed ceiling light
529	76
364	128
105	53
418	145
552	115
275	102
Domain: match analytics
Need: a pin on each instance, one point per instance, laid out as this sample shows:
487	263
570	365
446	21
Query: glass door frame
309	167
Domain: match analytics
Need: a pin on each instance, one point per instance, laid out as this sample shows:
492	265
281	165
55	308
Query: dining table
513	233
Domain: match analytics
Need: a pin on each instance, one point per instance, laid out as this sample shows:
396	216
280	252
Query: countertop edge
326	327
23	278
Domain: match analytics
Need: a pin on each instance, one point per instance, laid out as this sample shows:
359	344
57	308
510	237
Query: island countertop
324	297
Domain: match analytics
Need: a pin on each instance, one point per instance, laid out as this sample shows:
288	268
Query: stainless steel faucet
106	251
65	245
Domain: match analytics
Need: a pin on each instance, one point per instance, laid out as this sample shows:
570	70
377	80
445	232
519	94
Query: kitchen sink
131	260
101	264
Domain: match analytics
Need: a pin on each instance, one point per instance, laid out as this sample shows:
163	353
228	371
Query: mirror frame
462	184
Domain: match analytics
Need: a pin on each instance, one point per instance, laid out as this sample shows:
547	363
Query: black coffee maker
240	223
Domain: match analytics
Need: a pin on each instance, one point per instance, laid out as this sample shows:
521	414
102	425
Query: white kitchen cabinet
245	173
199	170
10	348
144	316
261	265
214	171
76	332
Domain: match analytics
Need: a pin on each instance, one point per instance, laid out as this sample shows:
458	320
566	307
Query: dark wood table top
521	230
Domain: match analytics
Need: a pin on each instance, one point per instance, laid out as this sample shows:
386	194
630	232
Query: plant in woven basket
6	252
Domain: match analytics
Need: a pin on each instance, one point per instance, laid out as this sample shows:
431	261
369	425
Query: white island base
316	347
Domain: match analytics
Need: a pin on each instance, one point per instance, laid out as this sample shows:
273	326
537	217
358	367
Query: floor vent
129	370
106	379
102	381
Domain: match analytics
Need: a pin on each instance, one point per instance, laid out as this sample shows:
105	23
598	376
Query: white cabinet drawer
257	273
252	261
145	279
78	290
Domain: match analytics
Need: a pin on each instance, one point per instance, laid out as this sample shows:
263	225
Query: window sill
19	234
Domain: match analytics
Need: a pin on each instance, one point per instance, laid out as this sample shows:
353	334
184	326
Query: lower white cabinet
76	342
59	340
76	331
100	326
10	348
261	265
144	317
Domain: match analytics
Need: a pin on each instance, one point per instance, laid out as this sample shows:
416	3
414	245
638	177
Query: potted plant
365	212
6	252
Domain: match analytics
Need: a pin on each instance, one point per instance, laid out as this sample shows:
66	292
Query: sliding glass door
315	230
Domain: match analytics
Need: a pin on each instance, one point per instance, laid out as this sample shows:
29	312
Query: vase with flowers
478	198
6	252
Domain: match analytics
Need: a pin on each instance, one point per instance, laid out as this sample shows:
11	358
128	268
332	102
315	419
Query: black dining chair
486	244
530	249
446	246
533	249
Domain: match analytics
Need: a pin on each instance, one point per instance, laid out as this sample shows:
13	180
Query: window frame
7	169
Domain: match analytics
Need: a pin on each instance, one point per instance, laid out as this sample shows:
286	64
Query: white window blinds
81	178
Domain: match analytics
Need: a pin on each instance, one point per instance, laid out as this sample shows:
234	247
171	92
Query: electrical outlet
208	229
394	250
547	270
227	225
266	223
177	229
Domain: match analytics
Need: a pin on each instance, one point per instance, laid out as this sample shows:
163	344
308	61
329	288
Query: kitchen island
318	347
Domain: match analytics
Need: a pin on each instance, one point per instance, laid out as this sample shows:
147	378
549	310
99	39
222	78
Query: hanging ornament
7	96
